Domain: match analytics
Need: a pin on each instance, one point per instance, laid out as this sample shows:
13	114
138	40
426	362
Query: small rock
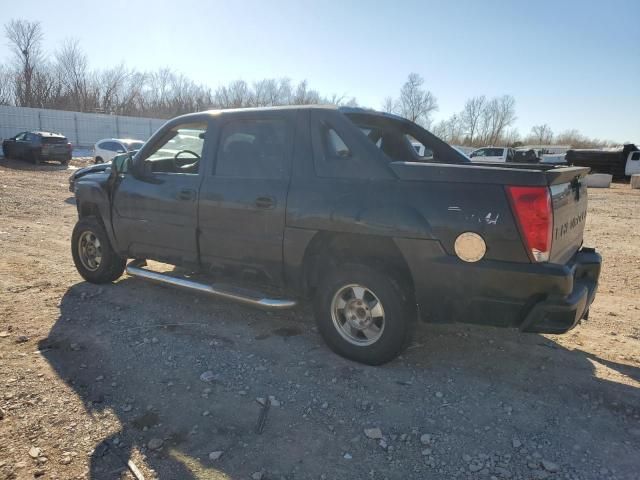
503	472
467	458
208	376
324	406
475	467
374	433
347	456
425	439
439	395
256	475
4	334
426	451
242	392
65	460
155	443
383	444
515	442
22	339
34	452
273	401
99	378
75	347
127	408
550	466
1	414
213	456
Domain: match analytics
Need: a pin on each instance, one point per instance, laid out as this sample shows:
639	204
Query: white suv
104	150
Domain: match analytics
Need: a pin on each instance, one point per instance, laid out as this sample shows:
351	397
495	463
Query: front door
155	212
20	144
243	199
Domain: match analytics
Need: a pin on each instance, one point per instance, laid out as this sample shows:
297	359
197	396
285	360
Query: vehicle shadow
139	350
16	164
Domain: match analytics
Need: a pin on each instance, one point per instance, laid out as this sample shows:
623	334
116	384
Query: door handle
187	194
265	202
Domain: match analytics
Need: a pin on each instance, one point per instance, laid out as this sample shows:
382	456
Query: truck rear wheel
95	259
363	314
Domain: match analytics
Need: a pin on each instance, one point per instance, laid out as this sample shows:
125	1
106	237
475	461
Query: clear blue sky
571	64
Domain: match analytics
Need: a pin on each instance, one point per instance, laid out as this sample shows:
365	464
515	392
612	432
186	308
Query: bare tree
541	134
304	96
25	42
471	115
6	82
416	103
511	138
72	69
389	105
450	130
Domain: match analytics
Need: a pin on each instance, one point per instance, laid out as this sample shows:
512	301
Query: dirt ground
92	377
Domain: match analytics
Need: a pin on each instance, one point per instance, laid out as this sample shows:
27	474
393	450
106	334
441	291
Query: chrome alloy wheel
357	315
90	250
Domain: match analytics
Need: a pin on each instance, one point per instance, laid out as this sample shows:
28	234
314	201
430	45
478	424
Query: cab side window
179	150
253	148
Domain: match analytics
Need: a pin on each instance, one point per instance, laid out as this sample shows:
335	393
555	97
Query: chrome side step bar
255	299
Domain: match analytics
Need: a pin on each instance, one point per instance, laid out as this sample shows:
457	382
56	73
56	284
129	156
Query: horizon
546	65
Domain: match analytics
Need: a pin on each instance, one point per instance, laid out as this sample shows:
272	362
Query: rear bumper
560	314
542	298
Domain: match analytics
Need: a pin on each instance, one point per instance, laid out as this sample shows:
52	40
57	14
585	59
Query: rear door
155	213
243	198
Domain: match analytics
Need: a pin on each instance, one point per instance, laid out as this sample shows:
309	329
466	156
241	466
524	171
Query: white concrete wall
82	129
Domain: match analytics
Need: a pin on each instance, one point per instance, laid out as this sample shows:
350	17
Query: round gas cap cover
470	247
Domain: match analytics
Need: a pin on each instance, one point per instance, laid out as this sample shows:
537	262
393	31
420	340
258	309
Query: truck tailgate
569	201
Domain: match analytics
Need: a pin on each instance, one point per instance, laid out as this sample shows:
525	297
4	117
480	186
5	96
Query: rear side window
111	146
53	140
635	156
253	148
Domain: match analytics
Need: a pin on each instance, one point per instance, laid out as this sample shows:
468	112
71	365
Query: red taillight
533	211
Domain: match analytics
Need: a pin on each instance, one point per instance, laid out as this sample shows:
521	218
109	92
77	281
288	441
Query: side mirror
121	163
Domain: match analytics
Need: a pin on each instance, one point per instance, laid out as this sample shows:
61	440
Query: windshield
135	145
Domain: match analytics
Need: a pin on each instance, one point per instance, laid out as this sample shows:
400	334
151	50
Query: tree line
64	81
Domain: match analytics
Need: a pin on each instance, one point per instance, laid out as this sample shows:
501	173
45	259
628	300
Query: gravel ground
92	377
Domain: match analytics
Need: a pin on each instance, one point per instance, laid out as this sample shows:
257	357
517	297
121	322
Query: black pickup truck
335	205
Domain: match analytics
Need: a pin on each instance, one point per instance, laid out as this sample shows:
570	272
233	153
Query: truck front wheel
363	314
95	259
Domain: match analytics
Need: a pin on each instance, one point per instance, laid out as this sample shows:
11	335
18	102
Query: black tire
65	161
111	266
399	313
98	160
34	156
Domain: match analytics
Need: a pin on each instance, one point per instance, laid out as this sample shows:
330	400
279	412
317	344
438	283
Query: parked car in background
37	146
492	154
105	149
